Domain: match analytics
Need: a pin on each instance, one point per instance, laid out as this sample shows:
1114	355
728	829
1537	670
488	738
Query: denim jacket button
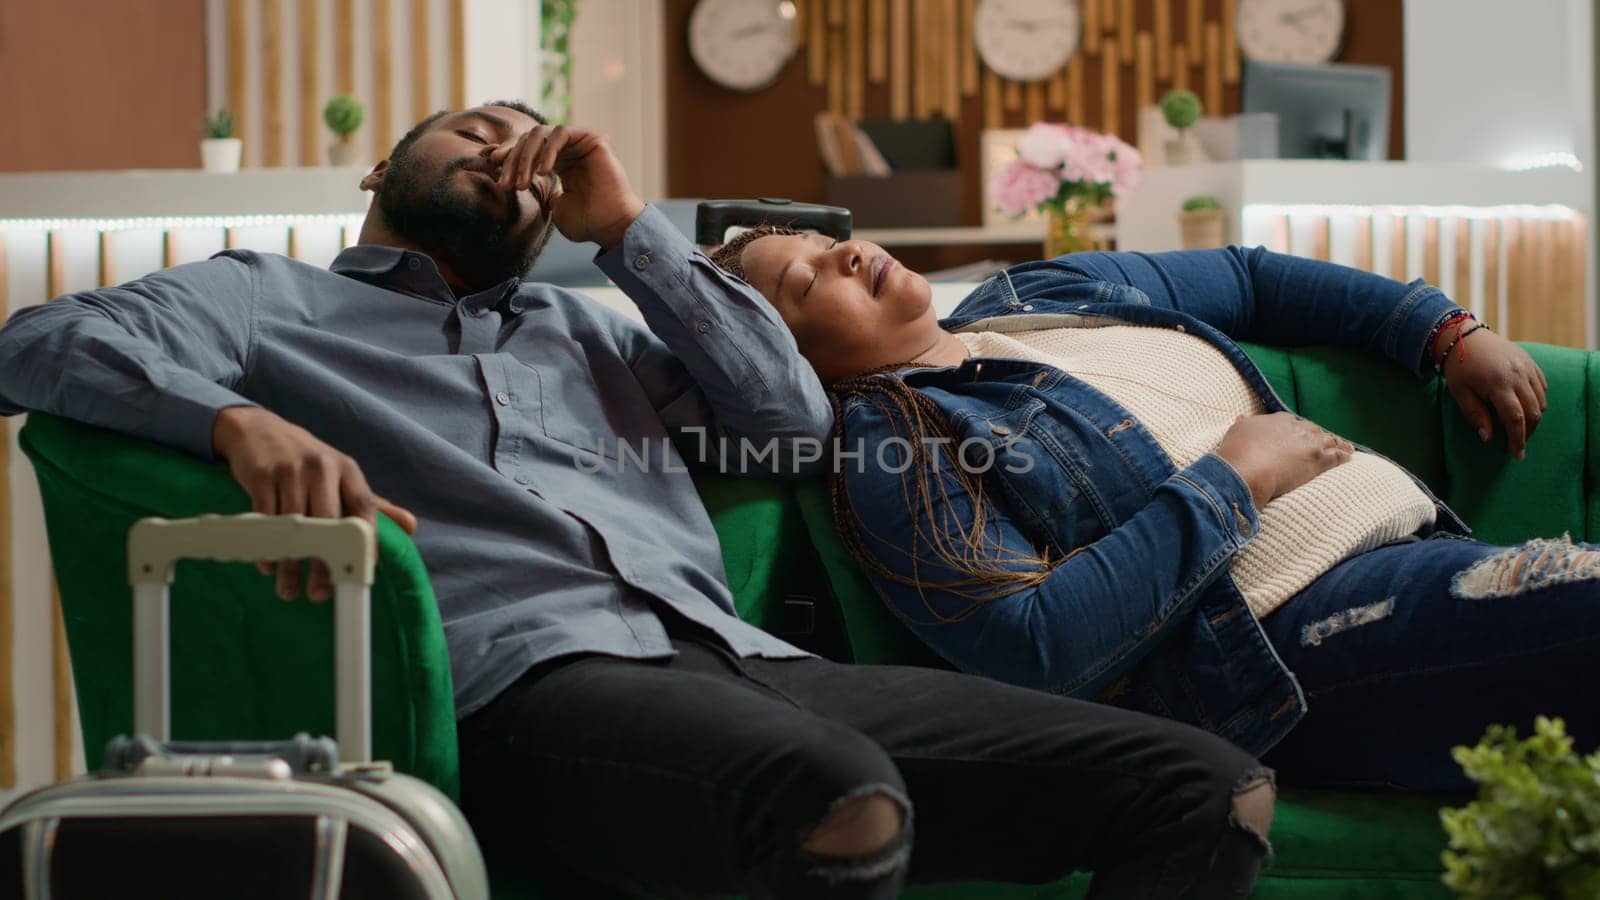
1244	521
1000	430
1182	330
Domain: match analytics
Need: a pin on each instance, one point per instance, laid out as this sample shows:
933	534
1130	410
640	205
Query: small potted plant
220	150
1202	223
1182	109
343	115
1534	830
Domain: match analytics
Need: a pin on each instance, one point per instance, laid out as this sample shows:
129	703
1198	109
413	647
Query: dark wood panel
726	144
131	94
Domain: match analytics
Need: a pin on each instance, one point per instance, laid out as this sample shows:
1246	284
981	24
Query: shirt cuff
1229	495
188	413
652	250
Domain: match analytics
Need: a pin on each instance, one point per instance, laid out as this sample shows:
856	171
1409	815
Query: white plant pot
342	153
1185	150
221	154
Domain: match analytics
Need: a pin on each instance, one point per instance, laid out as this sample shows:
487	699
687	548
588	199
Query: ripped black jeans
1414	648
703	775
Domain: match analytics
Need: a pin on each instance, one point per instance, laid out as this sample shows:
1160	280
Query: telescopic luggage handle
713	218
349	548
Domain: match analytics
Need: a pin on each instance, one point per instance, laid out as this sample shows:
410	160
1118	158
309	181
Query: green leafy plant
1200	202
1181	109
218	125
343	114
1534	831
555	55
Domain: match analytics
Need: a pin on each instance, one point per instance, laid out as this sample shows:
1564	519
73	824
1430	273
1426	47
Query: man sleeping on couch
615	716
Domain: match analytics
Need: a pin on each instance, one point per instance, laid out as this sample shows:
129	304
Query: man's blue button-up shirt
540	438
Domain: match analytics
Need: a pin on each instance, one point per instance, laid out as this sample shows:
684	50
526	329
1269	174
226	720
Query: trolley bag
242	820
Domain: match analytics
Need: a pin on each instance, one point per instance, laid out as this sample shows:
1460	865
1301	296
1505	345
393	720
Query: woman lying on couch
1078	482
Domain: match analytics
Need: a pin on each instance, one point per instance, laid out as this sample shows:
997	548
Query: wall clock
1290	31
742	44
1026	40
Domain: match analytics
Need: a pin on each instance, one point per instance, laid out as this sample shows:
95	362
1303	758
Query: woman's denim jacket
1139	609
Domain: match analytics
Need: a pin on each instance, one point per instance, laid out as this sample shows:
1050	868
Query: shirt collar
395	269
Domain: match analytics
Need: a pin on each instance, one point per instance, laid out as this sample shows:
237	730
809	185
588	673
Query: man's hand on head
594	201
285	470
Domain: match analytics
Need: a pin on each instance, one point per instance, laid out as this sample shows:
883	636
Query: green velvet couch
248	666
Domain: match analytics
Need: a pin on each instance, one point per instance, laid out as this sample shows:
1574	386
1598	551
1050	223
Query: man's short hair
416	131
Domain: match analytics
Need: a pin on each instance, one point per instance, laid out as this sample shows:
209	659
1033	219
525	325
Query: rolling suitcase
242	820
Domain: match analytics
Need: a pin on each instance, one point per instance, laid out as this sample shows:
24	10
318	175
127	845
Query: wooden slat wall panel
1213	95
1075	91
344	35
421	62
1144	91
61	687
856	62
817	42
1034	101
1430	250
1562	282
1180	67
900	63
106	258
950	66
382	73
1321	237
1126	25
1194	23
1397	248
1013	92
993	104
1463	269
8	696
1544	297
1578	269
1511	326
310	70
1091	27
969	50
1491	273
1163	38
272	82
878	42
1230	41
458	53
1110	87
1278	239
237	95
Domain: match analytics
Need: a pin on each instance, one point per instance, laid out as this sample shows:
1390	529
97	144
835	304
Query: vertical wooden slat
1363	260
1164	38
1321	237
1108	16
836	13
1144	81
1230	41
1430	250
237	95
1180	67
969	50
105	258
920	105
836	71
382	74
856	64
1397	248
1491	273
993	106
310	67
1075	89
230	238
1511	234
169	249
1278	234
8	696
1013	91
1034	101
817	43
294	247
421	62
802	13
1126	22
951	64
1462	289
1570	333
60	687
1193	23
1546	302
1213	99
272	75
1091	27
1489	238
1056	89
878	42
458	53
55	275
344	31
1110	89
900	60
1578	271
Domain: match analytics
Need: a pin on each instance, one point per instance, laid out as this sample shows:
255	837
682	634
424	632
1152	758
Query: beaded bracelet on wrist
1438	367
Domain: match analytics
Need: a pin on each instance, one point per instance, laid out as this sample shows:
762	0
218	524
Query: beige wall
101	84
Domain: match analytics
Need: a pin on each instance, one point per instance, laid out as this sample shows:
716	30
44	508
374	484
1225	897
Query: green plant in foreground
1534	831
218	125
1200	202
343	114
1181	109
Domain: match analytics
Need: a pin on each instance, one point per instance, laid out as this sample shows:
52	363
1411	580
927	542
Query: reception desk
1512	246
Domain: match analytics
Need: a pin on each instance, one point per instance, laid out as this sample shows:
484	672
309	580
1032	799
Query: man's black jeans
703	775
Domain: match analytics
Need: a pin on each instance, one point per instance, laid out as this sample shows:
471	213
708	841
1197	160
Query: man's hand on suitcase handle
286	470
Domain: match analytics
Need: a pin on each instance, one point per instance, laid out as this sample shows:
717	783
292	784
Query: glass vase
1067	231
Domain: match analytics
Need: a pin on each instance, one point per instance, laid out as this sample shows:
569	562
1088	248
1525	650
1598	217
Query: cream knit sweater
1186	395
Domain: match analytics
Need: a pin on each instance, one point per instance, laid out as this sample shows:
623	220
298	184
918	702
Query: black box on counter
929	198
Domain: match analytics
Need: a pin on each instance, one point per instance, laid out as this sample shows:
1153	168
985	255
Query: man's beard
455	227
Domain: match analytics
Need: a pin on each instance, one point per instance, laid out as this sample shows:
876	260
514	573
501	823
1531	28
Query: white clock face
1290	31
1026	40
742	44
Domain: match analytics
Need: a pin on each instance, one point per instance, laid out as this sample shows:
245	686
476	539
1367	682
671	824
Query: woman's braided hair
987	569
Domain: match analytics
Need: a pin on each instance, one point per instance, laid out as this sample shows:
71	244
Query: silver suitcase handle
348	546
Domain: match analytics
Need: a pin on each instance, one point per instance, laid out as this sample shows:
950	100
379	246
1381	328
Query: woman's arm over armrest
155	358
1257	295
1097	613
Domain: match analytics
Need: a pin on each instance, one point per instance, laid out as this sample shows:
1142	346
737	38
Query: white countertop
164	193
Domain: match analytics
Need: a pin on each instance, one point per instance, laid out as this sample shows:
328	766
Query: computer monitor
1324	112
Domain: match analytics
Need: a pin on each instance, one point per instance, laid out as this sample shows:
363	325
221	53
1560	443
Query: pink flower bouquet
1064	167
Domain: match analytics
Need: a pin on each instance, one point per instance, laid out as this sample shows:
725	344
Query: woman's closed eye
816	272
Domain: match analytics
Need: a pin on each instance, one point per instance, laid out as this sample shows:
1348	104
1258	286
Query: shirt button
641	262
521	479
414	264
703	326
503	398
